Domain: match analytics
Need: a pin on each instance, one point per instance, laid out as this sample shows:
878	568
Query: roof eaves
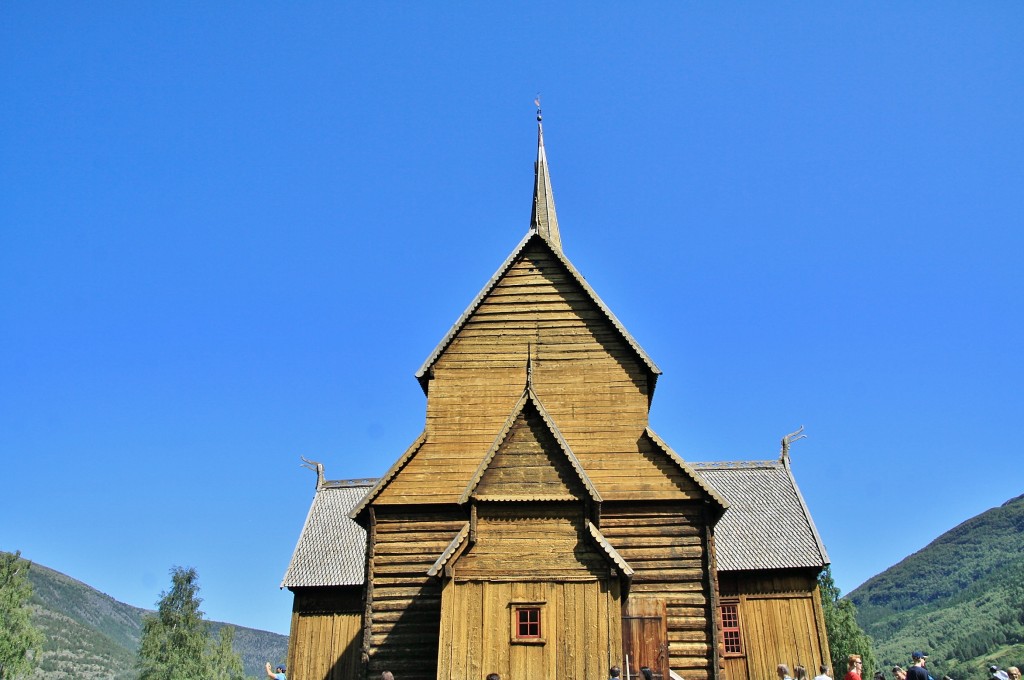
441	561
611	552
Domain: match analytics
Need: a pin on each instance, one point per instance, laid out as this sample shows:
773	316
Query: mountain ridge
960	598
89	634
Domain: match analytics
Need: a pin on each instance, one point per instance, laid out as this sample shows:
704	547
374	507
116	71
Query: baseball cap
918	655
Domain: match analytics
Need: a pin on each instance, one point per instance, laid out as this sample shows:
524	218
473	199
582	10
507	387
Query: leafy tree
845	637
176	642
20	642
225	663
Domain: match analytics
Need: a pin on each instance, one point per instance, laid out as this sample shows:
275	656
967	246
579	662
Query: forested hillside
92	635
960	599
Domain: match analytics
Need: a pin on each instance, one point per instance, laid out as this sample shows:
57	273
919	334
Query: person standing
917	671
277	673
854	667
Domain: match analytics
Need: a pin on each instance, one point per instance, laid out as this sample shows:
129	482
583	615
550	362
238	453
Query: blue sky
231	232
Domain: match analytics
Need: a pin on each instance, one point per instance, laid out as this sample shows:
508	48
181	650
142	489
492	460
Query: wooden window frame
515	636
733	617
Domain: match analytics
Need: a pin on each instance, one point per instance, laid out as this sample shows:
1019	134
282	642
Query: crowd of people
854	671
916	671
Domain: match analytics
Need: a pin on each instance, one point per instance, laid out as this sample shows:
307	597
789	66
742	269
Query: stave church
539	528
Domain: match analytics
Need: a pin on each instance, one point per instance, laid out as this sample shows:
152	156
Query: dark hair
493	676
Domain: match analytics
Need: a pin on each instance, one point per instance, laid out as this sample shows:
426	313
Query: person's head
280	669
800	673
615	671
1013	672
493	676
899	673
782	670
387	675
918	658
823	669
647	673
879	675
853	663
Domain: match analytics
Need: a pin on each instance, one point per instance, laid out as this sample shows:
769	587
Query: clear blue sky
231	232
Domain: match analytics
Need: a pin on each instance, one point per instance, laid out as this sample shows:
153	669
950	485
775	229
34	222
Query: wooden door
645	638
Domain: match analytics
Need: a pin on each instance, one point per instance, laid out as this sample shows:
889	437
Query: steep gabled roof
331	549
767	524
423	374
529	398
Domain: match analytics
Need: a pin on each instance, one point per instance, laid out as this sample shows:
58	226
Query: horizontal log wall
405	603
664	545
531	543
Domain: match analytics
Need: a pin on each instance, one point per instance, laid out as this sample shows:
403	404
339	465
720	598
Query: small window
528	623
731	628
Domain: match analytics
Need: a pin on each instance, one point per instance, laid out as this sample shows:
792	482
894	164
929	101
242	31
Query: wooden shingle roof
331	550
767	524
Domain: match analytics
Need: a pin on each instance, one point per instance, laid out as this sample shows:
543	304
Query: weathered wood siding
780	622
581	628
665	545
326	630
404	604
592	383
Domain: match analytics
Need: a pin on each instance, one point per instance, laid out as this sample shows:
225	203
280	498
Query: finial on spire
543	219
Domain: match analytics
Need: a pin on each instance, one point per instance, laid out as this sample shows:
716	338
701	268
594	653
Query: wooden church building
538	527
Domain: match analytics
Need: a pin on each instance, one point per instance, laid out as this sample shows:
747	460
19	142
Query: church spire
543	219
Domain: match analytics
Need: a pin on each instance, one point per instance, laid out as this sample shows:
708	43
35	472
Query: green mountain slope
92	635
960	599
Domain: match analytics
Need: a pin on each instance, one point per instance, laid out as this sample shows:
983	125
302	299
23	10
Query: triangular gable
389	475
688	471
423	374
529	398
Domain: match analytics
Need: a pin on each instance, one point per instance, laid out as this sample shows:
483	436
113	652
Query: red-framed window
527	624
731	636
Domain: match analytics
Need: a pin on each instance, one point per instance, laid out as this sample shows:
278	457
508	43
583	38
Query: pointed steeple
543	219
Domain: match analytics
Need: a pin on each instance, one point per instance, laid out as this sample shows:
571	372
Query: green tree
21	642
224	662
845	637
176	642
